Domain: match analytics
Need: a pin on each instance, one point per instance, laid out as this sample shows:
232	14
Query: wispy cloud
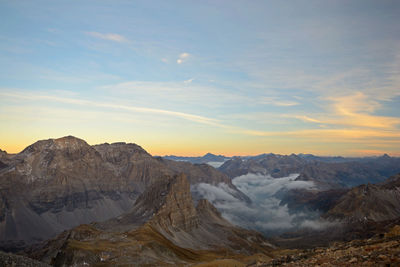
182	58
302	117
188	81
178	93
276	101
87	103
330	134
108	36
355	110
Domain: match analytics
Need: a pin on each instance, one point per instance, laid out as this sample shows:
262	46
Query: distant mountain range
326	172
211	159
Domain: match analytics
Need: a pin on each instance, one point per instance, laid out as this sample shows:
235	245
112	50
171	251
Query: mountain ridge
56	184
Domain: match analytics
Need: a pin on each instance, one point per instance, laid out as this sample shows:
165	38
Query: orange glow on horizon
196	150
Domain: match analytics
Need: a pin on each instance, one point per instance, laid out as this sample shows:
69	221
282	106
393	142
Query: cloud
188	81
214	193
355	109
87	103
351	110
265	213
216	164
302	117
261	185
319	224
177	93
108	36
329	134
53	30
345	119
182	58
275	101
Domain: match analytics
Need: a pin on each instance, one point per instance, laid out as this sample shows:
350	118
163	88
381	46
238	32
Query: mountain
162	228
349	174
361	212
300	200
4	159
56	184
274	165
3	154
379	202
209	158
326	172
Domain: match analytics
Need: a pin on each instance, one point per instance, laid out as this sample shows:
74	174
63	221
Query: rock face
380	202
163	227
167	205
56	184
132	163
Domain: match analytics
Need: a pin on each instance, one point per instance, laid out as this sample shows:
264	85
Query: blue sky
188	77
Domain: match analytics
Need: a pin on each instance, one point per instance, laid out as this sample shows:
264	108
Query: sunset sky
190	77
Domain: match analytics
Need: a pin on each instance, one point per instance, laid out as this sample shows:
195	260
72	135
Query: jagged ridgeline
56	184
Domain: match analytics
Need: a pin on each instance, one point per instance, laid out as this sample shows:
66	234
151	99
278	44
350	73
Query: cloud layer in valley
265	213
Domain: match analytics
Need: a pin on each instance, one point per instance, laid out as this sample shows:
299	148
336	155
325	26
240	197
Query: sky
191	77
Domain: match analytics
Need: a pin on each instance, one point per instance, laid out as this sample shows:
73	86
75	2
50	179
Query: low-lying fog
265	213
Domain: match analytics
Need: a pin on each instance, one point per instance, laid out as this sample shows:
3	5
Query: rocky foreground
381	250
11	260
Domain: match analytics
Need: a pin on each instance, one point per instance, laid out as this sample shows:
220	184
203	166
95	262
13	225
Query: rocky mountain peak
177	211
120	152
167	205
67	156
67	143
3	156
